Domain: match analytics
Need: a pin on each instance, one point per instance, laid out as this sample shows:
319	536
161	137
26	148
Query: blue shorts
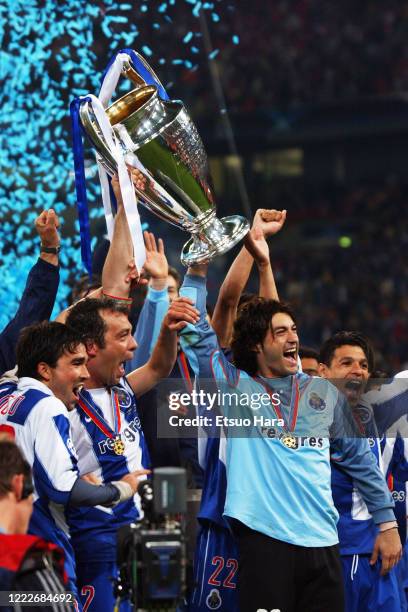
95	581
402	573
367	591
215	571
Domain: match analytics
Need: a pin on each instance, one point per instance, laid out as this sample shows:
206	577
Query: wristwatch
53	250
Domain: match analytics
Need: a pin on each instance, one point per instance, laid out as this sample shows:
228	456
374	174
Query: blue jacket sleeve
148	326
36	305
354	456
199	342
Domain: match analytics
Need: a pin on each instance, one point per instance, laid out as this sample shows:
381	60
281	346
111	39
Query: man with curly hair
278	500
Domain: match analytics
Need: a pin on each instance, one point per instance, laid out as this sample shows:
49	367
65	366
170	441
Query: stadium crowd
306	52
304	509
333	287
291	53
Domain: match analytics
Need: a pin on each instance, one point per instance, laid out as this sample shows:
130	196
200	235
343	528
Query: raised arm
199	342
156	304
268	222
164	355
256	244
228	298
119	269
41	288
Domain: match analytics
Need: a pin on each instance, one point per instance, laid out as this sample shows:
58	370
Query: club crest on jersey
316	402
124	397
213	601
363	413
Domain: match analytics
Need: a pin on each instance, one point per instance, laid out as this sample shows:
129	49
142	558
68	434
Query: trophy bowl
158	138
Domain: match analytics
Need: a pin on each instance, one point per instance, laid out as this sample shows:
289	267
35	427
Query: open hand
156	264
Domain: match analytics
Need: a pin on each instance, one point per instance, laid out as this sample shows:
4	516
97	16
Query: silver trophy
158	137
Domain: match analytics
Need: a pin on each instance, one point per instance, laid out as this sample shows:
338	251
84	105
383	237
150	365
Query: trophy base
216	239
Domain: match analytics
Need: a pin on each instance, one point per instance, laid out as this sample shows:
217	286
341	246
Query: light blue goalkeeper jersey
278	487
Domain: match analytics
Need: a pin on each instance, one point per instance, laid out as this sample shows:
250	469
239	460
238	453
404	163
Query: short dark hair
343	338
12	462
85	318
174	273
308	352
47	342
250	328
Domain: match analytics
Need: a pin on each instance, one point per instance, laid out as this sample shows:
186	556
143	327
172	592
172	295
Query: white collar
25	383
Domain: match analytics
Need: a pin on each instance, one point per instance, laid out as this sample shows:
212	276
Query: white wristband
388	525
125	491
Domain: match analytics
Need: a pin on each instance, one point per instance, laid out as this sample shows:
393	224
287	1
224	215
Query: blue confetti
196	10
213	54
50	53
147	51
235	39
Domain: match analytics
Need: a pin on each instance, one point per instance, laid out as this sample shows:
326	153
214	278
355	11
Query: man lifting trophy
146	130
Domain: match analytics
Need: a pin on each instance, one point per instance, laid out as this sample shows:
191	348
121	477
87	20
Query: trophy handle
114	114
133	76
136	78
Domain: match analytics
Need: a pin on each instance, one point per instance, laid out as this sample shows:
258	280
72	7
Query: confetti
51	52
147	51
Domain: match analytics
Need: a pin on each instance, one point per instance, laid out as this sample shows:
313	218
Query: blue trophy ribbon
80	184
78	150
